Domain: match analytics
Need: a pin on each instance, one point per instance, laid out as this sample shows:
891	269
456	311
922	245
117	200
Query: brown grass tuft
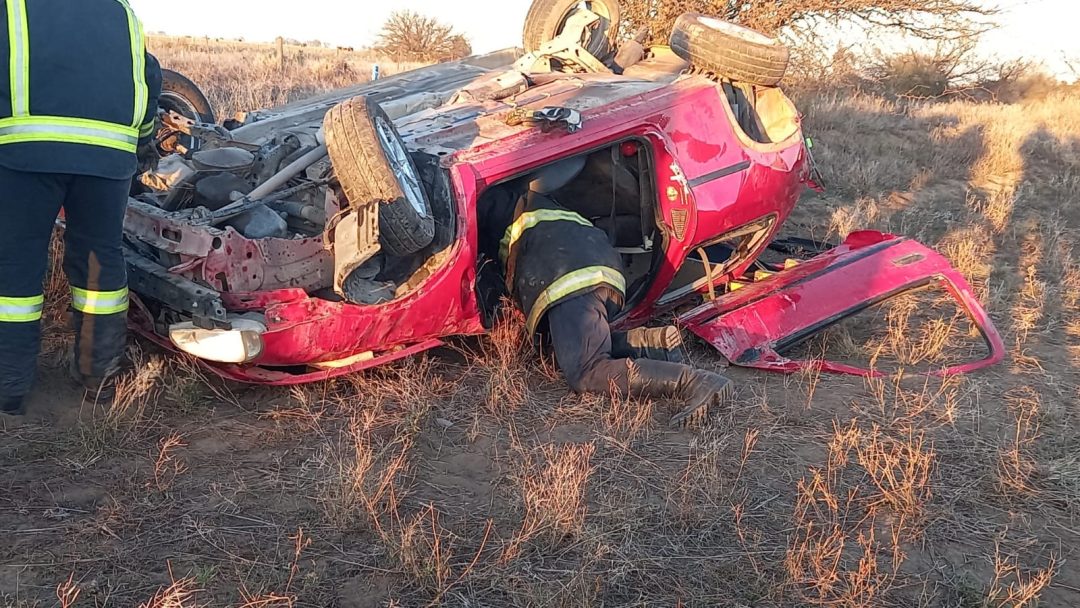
504	358
127	420
360	477
834	557
553	490
179	594
167	466
1013	587
1016	460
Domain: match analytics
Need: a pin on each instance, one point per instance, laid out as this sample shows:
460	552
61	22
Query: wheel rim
171	102
401	163
596	7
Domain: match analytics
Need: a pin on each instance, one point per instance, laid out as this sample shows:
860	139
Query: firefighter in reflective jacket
78	104
567	278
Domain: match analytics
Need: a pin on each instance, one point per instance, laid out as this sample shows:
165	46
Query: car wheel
734	52
181	95
374	167
547	18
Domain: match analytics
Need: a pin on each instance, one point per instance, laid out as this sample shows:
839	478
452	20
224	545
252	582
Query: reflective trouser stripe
570	283
138	66
19	57
68	130
21	310
530	220
99	302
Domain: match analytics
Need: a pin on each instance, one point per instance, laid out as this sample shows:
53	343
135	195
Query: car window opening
614	188
710	264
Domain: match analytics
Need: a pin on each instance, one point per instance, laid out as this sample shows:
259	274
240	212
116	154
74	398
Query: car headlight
241	344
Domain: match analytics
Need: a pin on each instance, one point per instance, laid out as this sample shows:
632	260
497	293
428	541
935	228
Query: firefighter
78	102
567	278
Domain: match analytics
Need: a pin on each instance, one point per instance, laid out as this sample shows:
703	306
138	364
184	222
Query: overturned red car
324	237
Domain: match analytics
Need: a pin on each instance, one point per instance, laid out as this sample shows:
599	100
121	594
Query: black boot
656	343
12	406
697	389
96	391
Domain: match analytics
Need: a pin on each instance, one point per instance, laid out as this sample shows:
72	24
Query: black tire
181	95
734	52
367	176
546	19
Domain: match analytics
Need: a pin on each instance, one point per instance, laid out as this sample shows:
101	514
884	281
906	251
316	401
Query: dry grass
125	421
553	491
240	77
471	477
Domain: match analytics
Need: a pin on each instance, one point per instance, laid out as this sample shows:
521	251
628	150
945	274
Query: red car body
711	180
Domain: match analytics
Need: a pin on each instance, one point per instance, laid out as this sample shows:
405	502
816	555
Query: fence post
281	53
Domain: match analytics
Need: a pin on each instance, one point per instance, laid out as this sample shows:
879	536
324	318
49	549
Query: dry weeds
239	77
472	477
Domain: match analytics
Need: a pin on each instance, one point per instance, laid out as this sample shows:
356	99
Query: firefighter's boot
12	406
656	343
697	391
96	390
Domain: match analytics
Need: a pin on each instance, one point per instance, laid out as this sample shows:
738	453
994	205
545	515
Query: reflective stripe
530	220
99	302
69	130
21	310
19	67
23	127
138	65
147	130
568	284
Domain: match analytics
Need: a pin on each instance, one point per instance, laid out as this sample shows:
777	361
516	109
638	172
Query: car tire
546	19
731	51
179	94
373	167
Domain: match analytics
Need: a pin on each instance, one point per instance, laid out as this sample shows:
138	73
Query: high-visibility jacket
551	254
78	91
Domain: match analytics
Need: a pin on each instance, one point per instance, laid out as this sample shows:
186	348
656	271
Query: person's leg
95	267
29	203
581	338
657	343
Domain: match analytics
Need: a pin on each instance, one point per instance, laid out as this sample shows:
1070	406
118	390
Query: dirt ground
471	477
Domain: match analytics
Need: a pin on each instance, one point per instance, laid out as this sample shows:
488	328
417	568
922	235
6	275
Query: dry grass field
471	477
242	76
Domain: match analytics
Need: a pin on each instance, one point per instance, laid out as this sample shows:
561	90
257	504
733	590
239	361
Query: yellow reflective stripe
99	302
65	129
530	220
68	130
21	310
67	121
147	130
568	284
138	65
19	61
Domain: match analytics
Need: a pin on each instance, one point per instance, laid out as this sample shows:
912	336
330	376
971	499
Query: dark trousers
93	261
582	340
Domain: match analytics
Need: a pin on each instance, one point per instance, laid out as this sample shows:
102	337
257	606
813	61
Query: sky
1044	30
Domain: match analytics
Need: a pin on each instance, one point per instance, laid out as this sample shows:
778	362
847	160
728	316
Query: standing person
78	105
567	278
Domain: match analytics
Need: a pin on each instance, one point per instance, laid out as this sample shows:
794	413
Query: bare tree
459	47
410	36
929	19
1073	65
